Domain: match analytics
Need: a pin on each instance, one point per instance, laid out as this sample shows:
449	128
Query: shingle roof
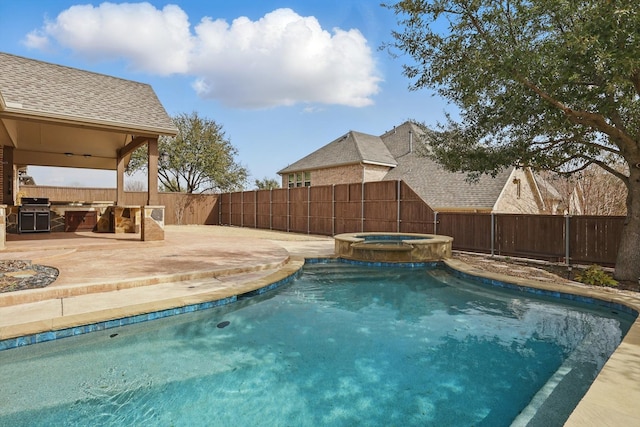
47	90
403	139
438	187
547	189
354	147
442	189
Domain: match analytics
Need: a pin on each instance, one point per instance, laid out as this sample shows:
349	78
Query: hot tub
393	247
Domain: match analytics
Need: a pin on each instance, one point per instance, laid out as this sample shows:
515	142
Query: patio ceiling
42	143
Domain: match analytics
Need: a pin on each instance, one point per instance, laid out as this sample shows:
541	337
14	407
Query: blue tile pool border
145	317
421	264
389	237
542	292
41	337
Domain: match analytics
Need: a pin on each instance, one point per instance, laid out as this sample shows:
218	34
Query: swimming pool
342	345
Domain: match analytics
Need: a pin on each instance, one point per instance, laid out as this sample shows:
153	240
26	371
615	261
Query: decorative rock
17	275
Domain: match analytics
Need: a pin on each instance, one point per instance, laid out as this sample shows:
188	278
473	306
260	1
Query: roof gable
48	91
353	147
403	139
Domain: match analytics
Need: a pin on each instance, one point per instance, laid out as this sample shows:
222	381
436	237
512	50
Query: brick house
394	155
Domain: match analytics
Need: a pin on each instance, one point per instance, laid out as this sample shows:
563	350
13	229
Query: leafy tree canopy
267	184
199	159
552	84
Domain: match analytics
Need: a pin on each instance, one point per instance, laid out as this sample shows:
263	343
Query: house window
300	179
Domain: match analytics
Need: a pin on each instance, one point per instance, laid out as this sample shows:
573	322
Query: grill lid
39	201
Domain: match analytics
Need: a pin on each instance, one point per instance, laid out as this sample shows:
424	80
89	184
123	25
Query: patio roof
54	115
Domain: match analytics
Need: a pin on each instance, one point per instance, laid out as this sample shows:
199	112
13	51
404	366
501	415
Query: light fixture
68	154
86	155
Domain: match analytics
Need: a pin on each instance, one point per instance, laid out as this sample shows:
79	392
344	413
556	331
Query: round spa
393	247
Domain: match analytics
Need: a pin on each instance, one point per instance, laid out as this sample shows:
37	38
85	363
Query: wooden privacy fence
331	209
569	239
392	206
180	208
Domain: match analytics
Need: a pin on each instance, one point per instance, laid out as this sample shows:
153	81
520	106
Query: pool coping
611	399
18	335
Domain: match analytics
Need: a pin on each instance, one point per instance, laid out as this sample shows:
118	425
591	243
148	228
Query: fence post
333	209
271	209
242	209
230	208
493	233
567	240
288	207
362	208
435	223
255	209
398	218
309	210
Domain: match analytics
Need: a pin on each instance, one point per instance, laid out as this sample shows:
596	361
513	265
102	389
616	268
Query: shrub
596	276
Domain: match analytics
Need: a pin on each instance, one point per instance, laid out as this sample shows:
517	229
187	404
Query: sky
282	77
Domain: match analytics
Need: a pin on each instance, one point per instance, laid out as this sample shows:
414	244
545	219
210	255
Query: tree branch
596	121
635	80
624	178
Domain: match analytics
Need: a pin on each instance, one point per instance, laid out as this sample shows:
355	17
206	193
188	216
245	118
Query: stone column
120	180
126	219
152	172
152	223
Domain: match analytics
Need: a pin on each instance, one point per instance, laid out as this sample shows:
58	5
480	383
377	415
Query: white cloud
37	40
152	40
280	59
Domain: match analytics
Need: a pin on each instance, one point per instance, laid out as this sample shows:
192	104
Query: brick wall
344	175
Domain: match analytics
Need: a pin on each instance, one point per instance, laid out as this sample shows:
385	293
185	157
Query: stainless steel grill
34	215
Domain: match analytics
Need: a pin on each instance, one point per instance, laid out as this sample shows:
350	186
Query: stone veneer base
393	247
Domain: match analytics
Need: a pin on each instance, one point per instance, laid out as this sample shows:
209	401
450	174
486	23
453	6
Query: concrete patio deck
104	276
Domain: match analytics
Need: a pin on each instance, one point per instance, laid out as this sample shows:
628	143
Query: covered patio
52	115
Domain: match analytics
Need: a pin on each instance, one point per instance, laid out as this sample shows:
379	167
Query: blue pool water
391	238
342	345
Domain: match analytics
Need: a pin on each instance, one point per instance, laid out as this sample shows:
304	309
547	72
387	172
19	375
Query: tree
266	184
551	84
135	186
199	159
590	192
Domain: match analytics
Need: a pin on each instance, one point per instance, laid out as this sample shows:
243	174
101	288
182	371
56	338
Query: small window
300	179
